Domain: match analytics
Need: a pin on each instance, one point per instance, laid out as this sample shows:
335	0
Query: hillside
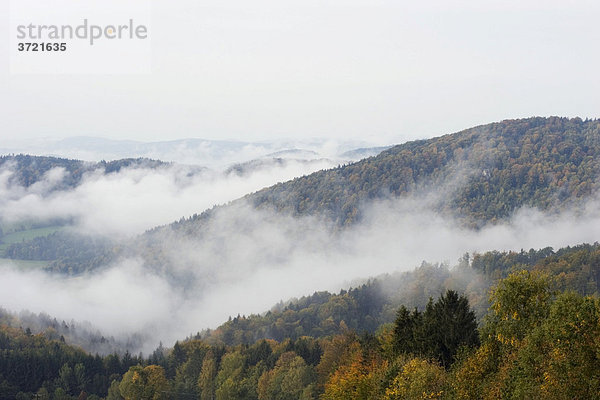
522	348
45	365
534	343
480	175
28	237
368	306
486	172
26	170
393	336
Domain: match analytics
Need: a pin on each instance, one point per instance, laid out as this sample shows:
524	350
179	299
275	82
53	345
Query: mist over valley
431	200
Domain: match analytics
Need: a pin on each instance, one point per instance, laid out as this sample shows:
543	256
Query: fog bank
247	260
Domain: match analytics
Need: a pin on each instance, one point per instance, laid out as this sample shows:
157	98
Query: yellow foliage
418	379
354	380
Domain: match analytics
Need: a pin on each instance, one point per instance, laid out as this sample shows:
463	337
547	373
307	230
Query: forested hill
480	175
370	305
538	162
26	170
535	343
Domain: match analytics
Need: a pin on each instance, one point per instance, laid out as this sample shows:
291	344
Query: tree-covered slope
26	170
574	268
368	306
32	238
39	366
535	343
479	175
487	172
67	252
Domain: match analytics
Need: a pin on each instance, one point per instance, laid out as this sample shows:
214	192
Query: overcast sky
377	70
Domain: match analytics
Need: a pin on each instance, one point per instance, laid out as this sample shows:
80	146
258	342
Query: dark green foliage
308	349
451	324
439	331
260	351
29	362
362	309
27	170
572	268
405	328
71	253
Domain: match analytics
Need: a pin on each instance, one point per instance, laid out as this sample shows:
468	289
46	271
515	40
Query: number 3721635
23	46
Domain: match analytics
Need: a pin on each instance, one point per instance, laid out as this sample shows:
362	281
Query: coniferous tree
439	331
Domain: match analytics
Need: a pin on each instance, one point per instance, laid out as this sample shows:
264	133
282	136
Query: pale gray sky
378	70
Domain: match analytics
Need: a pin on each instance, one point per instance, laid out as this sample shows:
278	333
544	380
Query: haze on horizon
380	71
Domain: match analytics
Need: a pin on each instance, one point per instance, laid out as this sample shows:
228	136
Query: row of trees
363	308
574	268
302	368
374	303
534	343
35	364
428	340
340	366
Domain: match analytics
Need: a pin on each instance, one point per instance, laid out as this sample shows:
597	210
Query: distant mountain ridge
192	151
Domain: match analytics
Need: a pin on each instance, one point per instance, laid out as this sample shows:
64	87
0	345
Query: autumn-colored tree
519	303
561	358
290	379
534	347
206	381
147	383
418	379
336	351
475	376
355	379
229	377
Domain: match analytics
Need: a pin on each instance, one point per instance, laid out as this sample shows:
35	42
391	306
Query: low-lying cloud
248	259
136	199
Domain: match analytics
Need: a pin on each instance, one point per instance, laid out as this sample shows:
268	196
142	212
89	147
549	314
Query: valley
390	238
